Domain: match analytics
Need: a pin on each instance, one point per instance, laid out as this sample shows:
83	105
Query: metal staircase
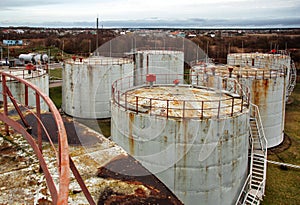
292	80
254	187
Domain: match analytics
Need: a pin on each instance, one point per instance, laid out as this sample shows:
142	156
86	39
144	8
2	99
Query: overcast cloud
158	13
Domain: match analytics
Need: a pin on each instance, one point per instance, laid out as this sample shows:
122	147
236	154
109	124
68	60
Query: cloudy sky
154	13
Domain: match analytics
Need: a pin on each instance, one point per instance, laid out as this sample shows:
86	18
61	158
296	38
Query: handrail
100	60
249	177
239	72
121	87
65	162
243	191
61	196
255	114
262	136
262	139
24	74
260	189
292	80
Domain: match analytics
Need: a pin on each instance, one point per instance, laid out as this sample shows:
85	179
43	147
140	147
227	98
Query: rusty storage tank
159	62
36	75
267	88
87	85
275	61
193	138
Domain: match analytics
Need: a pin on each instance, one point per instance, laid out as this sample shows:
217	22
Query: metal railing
292	80
26	74
255	114
64	162
199	108
239	72
277	60
94	60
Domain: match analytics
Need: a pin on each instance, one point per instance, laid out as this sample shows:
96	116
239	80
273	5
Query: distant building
13	42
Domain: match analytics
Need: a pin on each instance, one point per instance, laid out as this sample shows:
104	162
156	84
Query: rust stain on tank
260	89
130	137
266	87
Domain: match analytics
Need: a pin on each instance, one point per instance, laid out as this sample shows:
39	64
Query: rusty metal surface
219	97
20	91
263	60
128	169
112	187
198	159
86	86
267	86
63	156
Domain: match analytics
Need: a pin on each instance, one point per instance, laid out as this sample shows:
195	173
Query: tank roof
99	60
260	55
238	71
159	51
182	101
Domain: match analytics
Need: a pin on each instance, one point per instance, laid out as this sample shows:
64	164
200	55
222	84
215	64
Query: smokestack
97	43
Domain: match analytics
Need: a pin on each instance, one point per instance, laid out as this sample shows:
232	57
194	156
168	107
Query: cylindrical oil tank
260	60
267	88
39	77
193	138
87	85
159	62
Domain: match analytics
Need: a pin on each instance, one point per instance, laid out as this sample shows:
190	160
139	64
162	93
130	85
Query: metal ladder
254	188
292	80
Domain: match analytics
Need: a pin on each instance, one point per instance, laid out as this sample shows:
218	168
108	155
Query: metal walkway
254	187
64	162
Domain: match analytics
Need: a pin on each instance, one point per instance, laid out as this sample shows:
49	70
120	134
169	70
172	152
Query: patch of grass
56	96
283	185
56	73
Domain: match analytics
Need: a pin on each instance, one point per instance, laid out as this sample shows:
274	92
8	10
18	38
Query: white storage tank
267	88
159	62
87	83
194	139
39	77
273	61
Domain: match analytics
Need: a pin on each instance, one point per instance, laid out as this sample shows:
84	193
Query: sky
154	13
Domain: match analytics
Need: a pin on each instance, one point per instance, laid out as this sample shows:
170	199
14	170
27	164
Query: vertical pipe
232	106
150	105
137	104
125	101
219	108
118	98
167	109
242	104
5	101
26	95
183	109
38	113
202	109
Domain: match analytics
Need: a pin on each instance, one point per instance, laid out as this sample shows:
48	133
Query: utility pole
1	50
97	43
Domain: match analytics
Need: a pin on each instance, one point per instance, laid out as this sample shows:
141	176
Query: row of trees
219	47
71	43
